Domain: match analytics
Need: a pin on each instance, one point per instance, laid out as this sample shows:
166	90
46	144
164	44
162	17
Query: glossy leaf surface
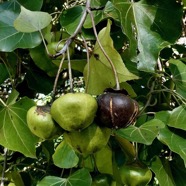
177	118
78	178
14	132
139	21
94	76
145	134
164	177
10	38
174	141
103	159
27	23
65	156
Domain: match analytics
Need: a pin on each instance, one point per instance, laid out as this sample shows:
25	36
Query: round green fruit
74	111
89	140
102	180
135	175
55	47
40	122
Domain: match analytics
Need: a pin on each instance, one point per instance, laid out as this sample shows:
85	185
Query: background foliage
145	41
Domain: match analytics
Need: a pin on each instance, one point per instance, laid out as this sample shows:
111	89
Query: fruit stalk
76	32
57	76
69	71
101	47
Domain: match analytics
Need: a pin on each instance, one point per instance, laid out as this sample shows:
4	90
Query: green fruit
40	122
74	111
135	175
89	140
102	180
55	47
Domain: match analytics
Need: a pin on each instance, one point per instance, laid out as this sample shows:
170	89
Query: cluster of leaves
140	38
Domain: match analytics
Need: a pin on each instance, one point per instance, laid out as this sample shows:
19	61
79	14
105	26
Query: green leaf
39	81
145	134
162	174
76	64
70	18
165	23
3	73
31	21
43	61
178	70
136	20
65	156
184	2
31	5
127	147
87	162
16	178
10	38
78	178
175	142
97	4
178	117
12	97
179	170
99	65
103	159
14	132
109	11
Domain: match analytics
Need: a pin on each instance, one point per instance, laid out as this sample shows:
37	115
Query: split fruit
40	122
89	140
74	111
116	109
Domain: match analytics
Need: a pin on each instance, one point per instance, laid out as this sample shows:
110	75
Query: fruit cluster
85	121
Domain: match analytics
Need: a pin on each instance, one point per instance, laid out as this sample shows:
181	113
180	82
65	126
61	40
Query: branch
76	32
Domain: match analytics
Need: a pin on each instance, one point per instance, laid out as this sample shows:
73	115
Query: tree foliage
138	46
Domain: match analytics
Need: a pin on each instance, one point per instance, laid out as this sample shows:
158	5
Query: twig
88	62
70	70
44	43
4	167
101	47
76	32
3	103
149	98
57	76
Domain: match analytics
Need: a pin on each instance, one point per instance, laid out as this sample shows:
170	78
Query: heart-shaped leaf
43	61
164	177
175	142
3	73
145	134
70	18
144	44
99	65
32	21
109	11
177	118
178	70
78	178
65	156
10	38
104	165
14	132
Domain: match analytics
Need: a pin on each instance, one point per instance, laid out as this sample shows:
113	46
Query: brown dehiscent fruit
116	109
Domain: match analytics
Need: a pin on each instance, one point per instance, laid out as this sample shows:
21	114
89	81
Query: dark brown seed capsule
116	109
